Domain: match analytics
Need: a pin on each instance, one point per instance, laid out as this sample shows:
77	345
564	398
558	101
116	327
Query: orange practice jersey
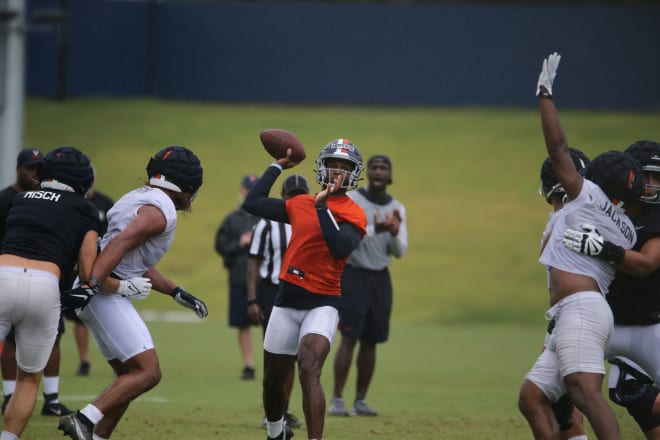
308	262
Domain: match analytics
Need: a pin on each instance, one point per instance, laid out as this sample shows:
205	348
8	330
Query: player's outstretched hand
548	74
78	297
135	288
189	301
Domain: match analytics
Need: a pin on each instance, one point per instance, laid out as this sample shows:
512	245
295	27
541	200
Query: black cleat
83	369
248	373
55	409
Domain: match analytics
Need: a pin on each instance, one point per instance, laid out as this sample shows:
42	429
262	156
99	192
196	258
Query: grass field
432	381
469	295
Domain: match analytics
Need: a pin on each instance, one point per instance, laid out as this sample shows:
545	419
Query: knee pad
563	409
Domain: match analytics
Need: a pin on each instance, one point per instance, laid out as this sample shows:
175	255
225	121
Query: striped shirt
269	242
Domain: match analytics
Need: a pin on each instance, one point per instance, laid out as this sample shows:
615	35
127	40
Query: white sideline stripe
89	398
169	315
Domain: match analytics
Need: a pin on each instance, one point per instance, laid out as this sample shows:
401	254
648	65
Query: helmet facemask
651	194
648	154
344	150
550	184
548	192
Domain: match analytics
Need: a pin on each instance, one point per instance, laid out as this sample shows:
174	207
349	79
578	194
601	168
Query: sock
8	387
51	384
92	413
578	437
275	428
6	435
98	437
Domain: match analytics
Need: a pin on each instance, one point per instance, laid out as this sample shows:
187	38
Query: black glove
189	301
78	297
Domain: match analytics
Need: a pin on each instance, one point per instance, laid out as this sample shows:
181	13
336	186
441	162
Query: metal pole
12	37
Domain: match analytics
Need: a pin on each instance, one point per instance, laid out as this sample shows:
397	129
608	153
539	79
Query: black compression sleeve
257	201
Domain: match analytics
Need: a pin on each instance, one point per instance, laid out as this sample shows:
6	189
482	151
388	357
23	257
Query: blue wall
323	53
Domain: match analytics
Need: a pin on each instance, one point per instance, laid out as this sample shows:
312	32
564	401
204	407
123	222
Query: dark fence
367	54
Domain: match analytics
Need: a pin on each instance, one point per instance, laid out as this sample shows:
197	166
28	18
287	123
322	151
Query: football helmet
340	149
550	184
177	169
619	175
66	166
648	154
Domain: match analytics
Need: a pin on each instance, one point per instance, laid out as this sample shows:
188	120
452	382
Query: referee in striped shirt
269	242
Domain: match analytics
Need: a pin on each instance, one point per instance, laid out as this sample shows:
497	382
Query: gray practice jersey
593	207
376	250
138	260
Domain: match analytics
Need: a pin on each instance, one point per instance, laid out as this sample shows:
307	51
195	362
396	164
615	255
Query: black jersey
635	300
49	225
6	198
103	203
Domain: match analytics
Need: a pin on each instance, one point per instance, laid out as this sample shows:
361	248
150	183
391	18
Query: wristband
612	252
251	301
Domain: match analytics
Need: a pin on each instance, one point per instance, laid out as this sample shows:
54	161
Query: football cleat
83	369
337	407
360	408
292	421
248	373
55	409
74	427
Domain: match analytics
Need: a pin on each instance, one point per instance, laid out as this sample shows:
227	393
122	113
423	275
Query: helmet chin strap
161	182
54	184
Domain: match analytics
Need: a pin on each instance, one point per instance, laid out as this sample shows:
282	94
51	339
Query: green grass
469	294
468	177
432	381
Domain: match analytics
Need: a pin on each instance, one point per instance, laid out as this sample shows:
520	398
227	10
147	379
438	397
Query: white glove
135	288
588	241
548	73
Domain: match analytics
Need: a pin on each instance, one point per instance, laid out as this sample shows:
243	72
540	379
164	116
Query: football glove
78	297
135	288
189	301
590	242
548	73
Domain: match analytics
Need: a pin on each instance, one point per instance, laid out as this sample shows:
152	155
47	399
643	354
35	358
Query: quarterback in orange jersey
326	228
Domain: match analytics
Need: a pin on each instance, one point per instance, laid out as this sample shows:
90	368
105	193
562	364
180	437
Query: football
276	141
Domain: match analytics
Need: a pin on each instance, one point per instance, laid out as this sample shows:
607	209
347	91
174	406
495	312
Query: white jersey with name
136	261
592	206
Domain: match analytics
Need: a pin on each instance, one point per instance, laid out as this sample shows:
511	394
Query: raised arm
257	201
553	132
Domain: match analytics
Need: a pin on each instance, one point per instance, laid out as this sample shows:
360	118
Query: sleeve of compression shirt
257	201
